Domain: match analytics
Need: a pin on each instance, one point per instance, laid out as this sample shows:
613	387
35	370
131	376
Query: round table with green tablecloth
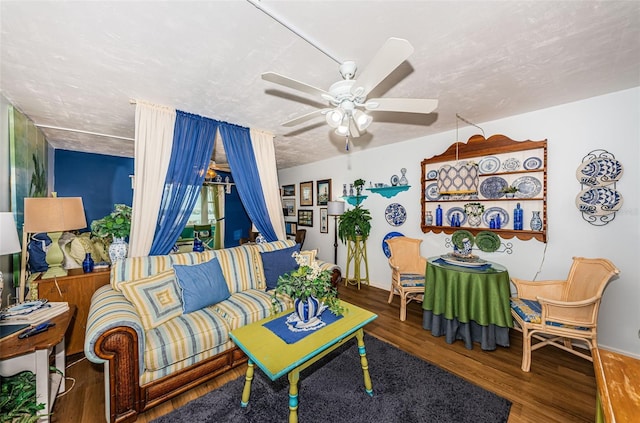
468	303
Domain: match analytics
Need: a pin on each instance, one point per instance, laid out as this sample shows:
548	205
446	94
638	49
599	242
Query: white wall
610	122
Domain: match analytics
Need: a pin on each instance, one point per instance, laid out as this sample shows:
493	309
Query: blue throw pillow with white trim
277	263
202	285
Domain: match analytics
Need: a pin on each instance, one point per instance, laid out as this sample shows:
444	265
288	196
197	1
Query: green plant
354	222
18	399
509	189
117	224
358	184
306	281
38	187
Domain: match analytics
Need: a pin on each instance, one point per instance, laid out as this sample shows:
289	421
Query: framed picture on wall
289	206
305	217
291	228
324	221
289	190
306	193
324	192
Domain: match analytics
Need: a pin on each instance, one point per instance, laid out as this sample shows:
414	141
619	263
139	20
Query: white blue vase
307	310
118	249
536	221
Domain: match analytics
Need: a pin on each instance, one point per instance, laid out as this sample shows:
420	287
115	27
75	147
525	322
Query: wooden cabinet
75	288
500	160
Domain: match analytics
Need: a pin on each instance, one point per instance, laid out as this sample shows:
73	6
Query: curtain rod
84	132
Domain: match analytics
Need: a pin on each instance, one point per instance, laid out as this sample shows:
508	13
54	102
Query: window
203	213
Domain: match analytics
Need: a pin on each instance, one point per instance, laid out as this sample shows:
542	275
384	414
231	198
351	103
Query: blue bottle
517	218
87	263
439	216
498	222
492	222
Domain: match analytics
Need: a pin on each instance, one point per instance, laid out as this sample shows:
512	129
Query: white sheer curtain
264	152
153	141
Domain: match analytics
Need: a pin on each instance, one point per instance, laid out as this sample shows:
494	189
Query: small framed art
289	206
305	217
291	228
306	193
289	190
324	221
324	192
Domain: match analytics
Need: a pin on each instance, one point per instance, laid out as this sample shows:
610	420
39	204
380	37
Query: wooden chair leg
526	349
391	293
403	307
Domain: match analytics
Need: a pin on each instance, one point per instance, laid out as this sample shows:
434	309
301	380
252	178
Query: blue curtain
237	146
193	140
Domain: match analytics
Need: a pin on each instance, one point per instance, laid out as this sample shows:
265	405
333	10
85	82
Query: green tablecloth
463	303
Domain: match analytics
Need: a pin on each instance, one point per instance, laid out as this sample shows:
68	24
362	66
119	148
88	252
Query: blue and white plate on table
528	187
395	214
532	163
431	192
491	212
460	211
491	188
385	246
489	164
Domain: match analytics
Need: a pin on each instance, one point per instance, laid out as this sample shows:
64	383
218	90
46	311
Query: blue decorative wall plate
385	246
395	214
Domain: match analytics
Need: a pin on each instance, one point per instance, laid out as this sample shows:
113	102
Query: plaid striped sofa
146	367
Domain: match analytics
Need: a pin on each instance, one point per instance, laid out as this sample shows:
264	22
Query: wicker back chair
408	269
565	309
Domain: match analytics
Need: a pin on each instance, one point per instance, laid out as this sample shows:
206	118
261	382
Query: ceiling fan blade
408	105
353	129
305	117
392	53
292	83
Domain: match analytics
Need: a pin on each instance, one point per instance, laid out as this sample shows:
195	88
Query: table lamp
335	209
9	242
53	215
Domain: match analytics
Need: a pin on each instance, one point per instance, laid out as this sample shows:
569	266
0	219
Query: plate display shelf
496	147
389	192
354	200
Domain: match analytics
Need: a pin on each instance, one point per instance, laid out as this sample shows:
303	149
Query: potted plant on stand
114	228
310	288
353	229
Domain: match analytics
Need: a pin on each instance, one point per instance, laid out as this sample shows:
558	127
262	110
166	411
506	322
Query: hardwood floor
560	387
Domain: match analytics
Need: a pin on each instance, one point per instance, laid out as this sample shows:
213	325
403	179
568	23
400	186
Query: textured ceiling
77	64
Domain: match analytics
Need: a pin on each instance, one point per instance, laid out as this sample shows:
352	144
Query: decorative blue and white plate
489	164
432	174
528	187
394	180
601	171
431	192
395	214
460	210
492	211
491	188
385	246
599	201
532	163
511	164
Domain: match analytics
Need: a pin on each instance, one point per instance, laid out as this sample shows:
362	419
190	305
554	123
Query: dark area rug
405	389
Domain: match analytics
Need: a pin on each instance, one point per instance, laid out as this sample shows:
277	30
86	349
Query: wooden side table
75	288
617	377
32	354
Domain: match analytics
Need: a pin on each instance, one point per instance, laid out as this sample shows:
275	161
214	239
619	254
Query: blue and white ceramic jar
307	310
118	249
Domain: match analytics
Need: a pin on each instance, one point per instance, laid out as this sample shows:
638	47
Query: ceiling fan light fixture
334	118
362	120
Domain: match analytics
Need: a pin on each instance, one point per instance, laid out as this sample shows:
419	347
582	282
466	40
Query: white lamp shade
9	242
53	214
335	208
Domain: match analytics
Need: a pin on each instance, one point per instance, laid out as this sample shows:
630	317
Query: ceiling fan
348	98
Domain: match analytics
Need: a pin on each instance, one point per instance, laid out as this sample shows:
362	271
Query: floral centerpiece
306	282
114	228
474	213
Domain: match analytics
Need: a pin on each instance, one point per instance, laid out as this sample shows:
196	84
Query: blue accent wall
100	180
103	181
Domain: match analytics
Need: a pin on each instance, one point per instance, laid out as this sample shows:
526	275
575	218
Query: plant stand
357	252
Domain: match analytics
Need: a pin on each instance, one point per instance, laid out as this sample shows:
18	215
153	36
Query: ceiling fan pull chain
346	143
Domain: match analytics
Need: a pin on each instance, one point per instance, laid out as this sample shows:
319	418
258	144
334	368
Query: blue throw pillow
277	263
202	285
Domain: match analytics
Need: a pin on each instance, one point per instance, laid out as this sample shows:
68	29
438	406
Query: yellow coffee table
276	358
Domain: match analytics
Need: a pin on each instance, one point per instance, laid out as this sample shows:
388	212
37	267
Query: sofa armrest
110	312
